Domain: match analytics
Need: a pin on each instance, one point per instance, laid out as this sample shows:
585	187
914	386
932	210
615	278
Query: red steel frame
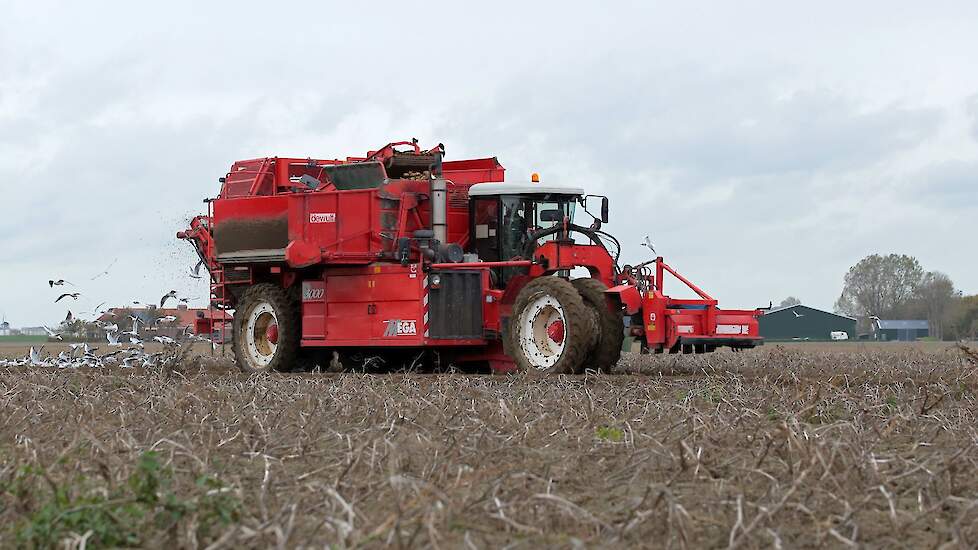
350	255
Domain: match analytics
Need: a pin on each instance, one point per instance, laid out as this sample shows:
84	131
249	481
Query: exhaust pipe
439	202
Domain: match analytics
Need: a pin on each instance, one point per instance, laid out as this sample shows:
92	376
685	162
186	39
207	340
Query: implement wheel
266	329
551	329
607	350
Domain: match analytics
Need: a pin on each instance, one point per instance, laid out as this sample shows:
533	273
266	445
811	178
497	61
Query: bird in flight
72	295
113	338
167	319
165	340
648	244
52	334
52	283
69	318
167	296
798	314
106	270
195	272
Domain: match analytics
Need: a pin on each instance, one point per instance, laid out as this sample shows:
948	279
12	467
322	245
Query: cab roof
521	188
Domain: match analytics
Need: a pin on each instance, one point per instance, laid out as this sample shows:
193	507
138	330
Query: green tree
879	286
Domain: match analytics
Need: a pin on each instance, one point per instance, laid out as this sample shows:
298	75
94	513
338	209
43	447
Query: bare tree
790	301
935	295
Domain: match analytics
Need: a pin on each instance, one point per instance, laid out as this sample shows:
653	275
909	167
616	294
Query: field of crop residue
781	447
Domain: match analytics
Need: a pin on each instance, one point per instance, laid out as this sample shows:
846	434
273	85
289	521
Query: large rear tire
266	329
551	329
611	325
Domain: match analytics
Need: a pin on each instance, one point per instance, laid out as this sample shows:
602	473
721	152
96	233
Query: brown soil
777	447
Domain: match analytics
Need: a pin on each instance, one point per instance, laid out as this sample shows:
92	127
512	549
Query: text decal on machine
322	217
397	327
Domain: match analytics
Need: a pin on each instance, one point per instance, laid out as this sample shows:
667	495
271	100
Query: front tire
551	330
611	325
266	330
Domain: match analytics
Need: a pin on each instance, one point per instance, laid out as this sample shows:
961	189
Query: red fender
629	296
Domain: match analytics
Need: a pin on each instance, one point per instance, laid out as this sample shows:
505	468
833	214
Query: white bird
35	356
135	341
111	328
165	340
167	296
648	244
106	270
51	333
69	318
798	314
135	327
195	272
113	339
167	319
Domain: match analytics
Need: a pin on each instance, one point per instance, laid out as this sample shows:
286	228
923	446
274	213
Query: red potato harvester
402	254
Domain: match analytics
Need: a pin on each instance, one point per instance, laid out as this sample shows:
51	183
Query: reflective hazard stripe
424	306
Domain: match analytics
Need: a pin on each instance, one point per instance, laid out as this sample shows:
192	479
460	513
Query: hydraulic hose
592	234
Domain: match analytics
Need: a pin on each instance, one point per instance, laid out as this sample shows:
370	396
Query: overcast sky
764	146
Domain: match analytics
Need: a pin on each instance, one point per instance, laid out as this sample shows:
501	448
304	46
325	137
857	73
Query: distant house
804	323
900	330
4	329
199	320
33	331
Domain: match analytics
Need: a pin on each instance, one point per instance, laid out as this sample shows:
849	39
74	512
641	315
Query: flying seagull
167	296
35	356
106	270
72	295
52	283
51	333
69	318
797	314
648	244
167	319
113	338
195	272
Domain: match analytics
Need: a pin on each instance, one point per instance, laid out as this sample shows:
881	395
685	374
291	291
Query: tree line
895	286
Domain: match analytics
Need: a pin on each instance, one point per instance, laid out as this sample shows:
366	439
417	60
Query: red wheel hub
272	333
556	331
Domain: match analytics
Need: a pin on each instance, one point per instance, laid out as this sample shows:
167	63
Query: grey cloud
691	119
972	107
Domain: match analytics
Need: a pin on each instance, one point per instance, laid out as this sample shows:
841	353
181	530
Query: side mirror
604	209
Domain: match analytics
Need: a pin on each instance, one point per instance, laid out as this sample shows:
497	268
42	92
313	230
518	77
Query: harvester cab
399	253
508	218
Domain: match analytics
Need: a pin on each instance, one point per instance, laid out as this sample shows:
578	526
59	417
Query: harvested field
781	446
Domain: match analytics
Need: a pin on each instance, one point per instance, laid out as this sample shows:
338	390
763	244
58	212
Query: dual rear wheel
563	327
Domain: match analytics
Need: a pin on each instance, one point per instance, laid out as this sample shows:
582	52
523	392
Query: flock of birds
130	347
